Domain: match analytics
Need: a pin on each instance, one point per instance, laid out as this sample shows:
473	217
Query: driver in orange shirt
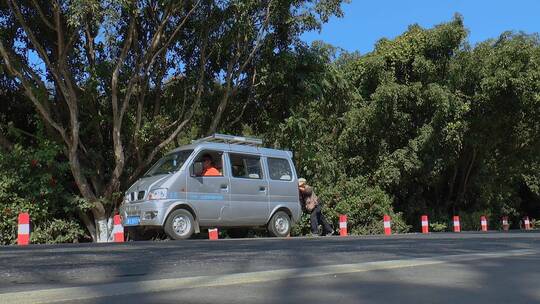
208	166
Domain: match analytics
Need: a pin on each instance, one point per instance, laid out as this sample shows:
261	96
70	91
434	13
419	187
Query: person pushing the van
208	166
311	204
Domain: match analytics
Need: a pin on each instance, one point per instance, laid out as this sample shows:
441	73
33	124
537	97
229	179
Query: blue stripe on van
175	195
206	197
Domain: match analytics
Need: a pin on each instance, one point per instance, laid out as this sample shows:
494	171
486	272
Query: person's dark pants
318	218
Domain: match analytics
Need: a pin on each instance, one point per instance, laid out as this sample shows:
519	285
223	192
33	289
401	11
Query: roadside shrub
438	227
364	206
470	221
56	231
303	226
32	180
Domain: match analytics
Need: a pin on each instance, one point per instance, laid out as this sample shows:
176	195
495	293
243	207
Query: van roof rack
230	139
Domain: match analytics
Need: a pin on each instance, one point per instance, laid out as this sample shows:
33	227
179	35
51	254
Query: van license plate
133	220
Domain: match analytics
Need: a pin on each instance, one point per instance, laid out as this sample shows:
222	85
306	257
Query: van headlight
157	194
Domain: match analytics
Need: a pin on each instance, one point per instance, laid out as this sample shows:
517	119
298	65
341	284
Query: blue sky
365	22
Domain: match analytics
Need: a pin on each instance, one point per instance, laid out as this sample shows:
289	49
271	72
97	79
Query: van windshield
169	163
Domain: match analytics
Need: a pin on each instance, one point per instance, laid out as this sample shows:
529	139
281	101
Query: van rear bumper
149	213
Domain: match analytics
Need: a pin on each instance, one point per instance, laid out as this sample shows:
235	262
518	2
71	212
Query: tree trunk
452	184
103	226
224	100
463	186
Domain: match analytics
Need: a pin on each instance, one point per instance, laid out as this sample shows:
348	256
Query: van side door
209	194
249	190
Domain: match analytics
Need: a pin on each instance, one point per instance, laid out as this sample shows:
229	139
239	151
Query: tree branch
225	99
29	91
42	15
59	31
89	45
259	39
138	121
175	32
41	51
117	117
148	61
38	46
174	134
119	63
248	99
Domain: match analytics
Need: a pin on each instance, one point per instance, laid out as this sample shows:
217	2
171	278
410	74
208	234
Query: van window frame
230	154
224	160
292	173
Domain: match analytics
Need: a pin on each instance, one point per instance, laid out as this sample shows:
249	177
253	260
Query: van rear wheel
180	225
280	224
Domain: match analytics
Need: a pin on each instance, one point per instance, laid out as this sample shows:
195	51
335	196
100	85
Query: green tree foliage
437	126
323	99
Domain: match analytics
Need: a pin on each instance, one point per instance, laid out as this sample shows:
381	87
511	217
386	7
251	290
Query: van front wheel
280	224
180	225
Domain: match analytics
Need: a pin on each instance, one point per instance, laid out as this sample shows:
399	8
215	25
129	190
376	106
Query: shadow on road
90	265
468	282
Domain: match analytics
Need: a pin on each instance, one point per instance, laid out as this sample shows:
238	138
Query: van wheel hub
282	225
181	225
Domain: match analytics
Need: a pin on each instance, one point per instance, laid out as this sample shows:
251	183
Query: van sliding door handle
224	187
262	189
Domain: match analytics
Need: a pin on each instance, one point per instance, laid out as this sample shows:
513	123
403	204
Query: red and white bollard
213	234
526	223
387	225
483	223
23	233
425	224
505	224
342	225
457	227
118	230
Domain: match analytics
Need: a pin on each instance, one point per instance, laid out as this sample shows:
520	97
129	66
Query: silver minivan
250	187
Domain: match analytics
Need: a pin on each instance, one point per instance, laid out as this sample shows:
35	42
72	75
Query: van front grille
140	195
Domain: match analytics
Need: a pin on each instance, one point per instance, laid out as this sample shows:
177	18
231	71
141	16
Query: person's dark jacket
309	199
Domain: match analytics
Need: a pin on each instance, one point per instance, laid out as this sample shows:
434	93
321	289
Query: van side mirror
197	168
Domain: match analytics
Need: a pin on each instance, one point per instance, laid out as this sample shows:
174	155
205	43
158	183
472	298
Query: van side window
279	169
210	163
246	166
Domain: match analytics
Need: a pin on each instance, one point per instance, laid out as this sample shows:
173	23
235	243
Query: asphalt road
435	268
